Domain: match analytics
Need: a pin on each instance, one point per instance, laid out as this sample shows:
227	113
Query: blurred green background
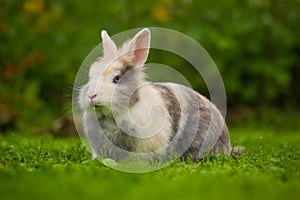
255	44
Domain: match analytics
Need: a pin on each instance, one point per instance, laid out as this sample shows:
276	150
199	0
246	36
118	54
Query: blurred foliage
255	44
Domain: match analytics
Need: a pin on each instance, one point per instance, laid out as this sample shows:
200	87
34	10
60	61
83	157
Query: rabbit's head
116	76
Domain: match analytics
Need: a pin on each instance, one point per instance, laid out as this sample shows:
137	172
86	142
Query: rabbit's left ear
139	46
109	47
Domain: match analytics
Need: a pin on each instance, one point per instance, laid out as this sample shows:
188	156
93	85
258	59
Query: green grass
60	168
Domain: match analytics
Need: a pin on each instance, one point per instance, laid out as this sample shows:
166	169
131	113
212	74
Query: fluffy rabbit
122	112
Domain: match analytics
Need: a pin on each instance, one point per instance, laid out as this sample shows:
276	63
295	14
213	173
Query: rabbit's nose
92	96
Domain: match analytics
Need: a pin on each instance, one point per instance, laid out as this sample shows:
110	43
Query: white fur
146	119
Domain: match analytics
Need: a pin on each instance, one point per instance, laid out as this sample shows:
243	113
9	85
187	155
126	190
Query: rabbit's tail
237	151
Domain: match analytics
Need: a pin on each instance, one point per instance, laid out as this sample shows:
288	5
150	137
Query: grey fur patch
134	98
116	135
127	92
204	114
211	116
193	129
172	105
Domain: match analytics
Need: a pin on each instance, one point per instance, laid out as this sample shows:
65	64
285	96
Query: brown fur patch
172	105
134	98
109	70
127	61
122	66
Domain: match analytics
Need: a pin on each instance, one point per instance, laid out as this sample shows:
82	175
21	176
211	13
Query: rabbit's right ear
109	47
140	45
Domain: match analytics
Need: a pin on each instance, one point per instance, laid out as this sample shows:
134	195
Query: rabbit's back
198	126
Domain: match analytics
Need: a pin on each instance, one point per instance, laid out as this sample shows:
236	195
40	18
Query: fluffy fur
134	115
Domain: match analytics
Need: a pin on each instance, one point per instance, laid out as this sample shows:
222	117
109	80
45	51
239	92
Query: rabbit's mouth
94	103
97	105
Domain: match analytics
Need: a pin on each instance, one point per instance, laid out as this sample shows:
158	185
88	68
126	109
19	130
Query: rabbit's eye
116	79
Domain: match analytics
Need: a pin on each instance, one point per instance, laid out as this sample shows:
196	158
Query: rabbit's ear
109	47
140	45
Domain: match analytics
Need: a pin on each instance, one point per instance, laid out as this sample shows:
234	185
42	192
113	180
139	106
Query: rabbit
123	112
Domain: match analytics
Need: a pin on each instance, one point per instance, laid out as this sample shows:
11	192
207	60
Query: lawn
43	167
